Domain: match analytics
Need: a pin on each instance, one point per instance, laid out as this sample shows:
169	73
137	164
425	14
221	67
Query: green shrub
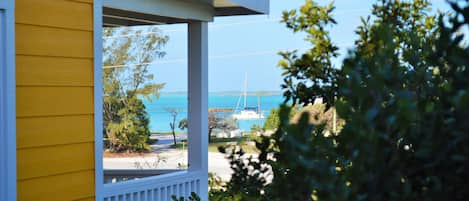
192	197
404	94
272	121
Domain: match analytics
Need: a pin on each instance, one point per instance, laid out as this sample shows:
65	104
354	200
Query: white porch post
7	102
198	102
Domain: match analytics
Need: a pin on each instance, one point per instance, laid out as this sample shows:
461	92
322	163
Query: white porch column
7	102
198	102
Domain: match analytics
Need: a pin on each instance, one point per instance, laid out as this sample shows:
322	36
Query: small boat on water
247	113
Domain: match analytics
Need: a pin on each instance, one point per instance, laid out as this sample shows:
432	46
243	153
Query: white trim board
189	10
7	102
98	98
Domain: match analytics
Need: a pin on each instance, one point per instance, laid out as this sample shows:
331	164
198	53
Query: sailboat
247	113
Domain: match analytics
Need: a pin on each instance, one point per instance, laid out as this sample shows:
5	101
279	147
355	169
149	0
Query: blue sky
249	44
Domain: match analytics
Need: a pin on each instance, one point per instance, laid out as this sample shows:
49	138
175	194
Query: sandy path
164	157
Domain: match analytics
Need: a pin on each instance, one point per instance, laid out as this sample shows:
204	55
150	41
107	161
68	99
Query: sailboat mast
259	111
245	88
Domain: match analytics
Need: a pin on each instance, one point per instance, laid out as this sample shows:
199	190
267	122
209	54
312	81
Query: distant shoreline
229	93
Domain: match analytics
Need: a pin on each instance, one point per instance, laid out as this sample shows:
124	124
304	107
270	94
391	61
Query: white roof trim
187	10
144	12
260	6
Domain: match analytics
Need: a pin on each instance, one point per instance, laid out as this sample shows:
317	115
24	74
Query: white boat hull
246	115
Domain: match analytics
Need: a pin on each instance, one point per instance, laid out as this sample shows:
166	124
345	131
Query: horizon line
231	91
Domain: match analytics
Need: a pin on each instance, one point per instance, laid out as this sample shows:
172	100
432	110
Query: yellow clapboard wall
55	120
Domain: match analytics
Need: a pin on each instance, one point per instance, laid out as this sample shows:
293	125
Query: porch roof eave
146	12
241	7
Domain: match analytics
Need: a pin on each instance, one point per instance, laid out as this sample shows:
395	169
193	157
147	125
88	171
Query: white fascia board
261	6
190	10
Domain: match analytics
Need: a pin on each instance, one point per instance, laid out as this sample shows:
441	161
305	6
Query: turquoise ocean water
160	117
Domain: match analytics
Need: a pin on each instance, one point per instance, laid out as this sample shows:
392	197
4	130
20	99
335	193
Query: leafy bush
273	121
246	182
320	115
404	94
192	197
131	131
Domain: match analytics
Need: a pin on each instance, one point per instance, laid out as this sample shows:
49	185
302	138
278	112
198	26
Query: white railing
157	188
120	175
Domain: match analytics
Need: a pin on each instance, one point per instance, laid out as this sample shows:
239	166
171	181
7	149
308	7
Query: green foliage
255	128
310	75
290	155
183	124
245	184
216	121
214	182
273	121
131	132
320	115
192	197
403	92
126	79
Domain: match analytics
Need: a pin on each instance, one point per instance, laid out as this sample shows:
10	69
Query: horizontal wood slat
40	162
87	199
53	71
47	131
56	13
46	41
53	101
83	1
72	186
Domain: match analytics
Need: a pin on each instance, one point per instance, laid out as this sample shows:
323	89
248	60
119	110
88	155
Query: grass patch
179	145
241	141
246	147
166	133
225	140
217	142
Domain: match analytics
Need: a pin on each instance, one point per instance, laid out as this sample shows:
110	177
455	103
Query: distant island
230	93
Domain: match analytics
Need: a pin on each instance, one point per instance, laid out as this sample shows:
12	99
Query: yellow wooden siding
83	1
35	71
47	41
55	111
57	130
65	14
54	160
54	101
87	199
73	186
